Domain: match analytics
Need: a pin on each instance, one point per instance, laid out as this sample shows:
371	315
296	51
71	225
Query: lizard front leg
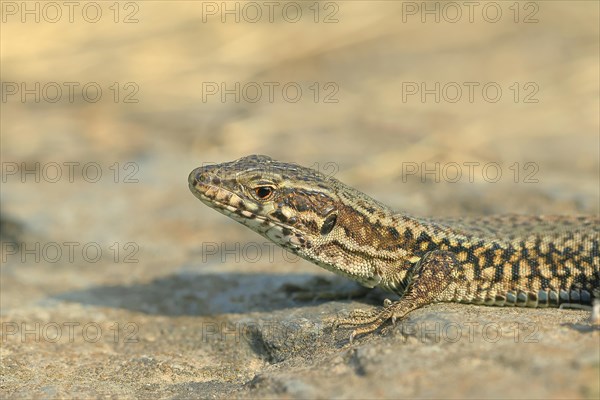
431	277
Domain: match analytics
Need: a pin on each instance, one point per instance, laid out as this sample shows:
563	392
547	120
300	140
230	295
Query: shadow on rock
203	294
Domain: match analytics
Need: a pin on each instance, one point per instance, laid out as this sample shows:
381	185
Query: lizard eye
263	192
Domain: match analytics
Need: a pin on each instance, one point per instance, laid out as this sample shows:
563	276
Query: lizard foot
430	278
367	321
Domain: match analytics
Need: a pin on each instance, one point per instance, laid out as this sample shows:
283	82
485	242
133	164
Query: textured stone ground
183	302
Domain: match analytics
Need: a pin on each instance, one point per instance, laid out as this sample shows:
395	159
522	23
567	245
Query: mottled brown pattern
513	260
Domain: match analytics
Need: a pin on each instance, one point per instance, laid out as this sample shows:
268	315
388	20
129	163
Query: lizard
510	260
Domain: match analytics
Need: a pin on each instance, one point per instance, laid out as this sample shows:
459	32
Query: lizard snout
203	176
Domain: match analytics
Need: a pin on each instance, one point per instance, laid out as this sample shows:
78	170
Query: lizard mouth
204	187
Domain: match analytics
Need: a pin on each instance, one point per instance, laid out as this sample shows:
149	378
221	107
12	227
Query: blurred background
434	108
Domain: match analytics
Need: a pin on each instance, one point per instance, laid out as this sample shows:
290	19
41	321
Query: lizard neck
374	245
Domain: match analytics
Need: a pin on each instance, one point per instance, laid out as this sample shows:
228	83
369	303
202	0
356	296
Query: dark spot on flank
495	246
423	237
216	180
499	275
515	272
394	232
445	243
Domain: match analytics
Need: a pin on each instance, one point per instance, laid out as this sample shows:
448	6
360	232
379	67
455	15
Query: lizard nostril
198	177
202	177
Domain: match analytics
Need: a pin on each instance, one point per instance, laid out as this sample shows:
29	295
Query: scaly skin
542	261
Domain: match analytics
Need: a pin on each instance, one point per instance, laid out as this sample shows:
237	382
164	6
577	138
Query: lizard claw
352	335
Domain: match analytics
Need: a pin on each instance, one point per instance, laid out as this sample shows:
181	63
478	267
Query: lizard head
311	214
288	204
